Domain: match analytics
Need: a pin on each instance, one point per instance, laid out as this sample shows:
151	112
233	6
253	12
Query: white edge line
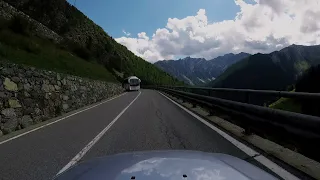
95	140
261	159
48	124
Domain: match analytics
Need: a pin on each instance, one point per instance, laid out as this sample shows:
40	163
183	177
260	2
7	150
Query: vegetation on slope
88	41
287	104
18	46
273	71
308	82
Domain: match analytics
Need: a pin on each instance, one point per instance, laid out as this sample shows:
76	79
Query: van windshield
134	82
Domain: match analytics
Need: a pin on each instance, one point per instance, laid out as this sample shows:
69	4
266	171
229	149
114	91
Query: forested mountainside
88	41
274	71
199	71
308	82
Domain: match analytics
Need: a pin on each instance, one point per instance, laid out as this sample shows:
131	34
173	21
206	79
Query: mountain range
199	71
274	71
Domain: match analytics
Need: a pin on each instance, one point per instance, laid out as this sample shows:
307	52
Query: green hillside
85	41
287	104
37	52
274	71
309	82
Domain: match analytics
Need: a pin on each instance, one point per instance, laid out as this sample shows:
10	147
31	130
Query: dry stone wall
29	95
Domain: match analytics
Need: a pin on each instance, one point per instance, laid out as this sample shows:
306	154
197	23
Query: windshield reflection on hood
174	168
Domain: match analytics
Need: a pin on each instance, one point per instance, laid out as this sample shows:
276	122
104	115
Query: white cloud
265	26
126	33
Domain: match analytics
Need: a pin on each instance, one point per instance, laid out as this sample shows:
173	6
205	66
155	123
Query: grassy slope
44	54
96	45
286	104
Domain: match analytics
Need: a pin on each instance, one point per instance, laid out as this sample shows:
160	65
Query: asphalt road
152	122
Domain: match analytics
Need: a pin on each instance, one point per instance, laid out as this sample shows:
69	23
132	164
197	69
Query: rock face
30	95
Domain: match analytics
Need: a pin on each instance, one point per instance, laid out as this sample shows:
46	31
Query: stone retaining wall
29	95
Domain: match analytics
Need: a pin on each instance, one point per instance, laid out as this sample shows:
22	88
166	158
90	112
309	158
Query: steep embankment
83	38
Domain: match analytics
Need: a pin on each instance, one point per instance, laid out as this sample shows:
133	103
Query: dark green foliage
309	82
21	26
19	42
82	53
287	104
290	87
256	72
89	41
76	48
21	49
4	24
275	71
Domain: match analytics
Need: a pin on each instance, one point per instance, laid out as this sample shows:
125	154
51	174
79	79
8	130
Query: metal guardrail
286	94
291	128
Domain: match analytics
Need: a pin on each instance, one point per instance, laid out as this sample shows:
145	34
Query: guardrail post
247	131
247	98
211	113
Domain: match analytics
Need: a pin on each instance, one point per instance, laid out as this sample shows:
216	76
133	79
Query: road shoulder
304	165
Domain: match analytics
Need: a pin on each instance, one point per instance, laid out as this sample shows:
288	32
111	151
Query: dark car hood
160	165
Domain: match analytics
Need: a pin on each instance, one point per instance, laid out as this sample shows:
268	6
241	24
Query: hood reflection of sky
174	168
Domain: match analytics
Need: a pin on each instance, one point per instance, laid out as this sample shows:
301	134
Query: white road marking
95	140
263	160
45	125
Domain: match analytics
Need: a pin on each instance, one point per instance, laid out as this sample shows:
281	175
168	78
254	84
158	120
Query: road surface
140	121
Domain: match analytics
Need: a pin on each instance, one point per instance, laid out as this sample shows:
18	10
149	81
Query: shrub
82	53
4	23
76	48
18	41
32	48
3	52
21	25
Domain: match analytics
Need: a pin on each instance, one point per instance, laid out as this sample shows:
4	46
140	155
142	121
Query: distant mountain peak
199	71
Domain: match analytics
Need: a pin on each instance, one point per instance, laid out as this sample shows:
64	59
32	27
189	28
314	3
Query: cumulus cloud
264	26
126	33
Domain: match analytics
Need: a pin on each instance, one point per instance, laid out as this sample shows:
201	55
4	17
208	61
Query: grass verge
44	54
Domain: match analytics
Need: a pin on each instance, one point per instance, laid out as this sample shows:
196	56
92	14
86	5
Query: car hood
160	165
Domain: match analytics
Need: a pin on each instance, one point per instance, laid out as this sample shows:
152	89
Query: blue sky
205	28
137	16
